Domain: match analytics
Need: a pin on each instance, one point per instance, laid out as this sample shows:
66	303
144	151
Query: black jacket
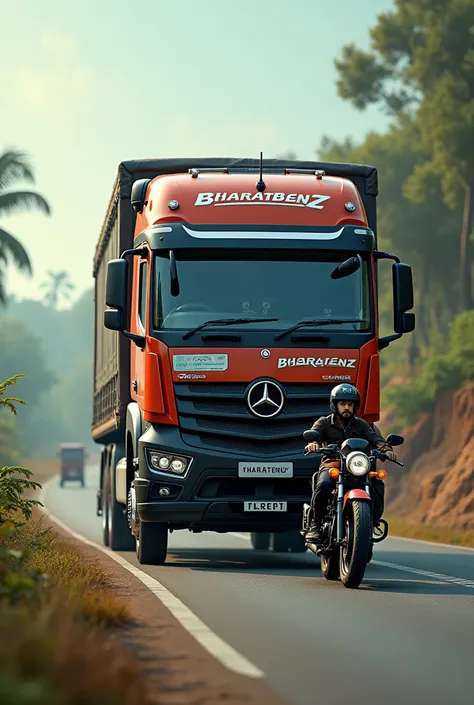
332	432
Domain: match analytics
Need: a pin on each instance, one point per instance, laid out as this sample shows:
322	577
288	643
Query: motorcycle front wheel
355	551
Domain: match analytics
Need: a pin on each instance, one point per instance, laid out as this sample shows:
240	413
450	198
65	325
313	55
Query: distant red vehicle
72	458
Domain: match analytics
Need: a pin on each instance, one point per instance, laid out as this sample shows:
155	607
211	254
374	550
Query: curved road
406	636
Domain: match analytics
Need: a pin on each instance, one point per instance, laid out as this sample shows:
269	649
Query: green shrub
438	372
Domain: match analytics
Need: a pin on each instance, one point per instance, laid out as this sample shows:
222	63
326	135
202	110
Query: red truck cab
72	457
242	298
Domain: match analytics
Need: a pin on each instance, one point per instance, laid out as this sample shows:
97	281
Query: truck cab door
140	320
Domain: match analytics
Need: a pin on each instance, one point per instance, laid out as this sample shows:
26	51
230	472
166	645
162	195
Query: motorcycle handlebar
332	450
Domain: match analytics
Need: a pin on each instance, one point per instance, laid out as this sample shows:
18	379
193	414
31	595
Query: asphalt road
405	636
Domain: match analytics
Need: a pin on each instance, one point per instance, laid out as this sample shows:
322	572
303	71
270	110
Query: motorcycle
347	531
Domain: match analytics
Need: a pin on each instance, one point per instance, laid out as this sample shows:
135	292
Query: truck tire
297	542
286	541
260	540
279	542
116	529
105	513
152	543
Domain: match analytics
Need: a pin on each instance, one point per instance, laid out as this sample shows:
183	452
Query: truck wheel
152	543
287	541
105	513
118	531
260	540
279	542
296	542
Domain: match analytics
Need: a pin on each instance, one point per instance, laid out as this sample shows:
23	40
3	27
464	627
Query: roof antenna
261	185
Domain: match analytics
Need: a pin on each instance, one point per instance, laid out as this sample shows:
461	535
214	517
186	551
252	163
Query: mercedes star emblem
265	399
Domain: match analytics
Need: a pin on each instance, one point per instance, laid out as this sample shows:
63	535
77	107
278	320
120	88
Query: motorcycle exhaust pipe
312	547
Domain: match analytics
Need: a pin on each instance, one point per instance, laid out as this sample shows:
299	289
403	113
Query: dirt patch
436	486
43	470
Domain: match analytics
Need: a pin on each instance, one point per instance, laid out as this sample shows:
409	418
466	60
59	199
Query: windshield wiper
318	322
226	322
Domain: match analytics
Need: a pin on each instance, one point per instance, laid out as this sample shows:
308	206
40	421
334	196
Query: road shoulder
177	668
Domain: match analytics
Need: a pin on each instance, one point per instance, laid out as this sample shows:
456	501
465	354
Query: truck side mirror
408	322
117	284
402	298
116	298
403	301
113	319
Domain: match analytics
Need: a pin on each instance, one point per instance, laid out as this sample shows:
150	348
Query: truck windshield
72	453
287	285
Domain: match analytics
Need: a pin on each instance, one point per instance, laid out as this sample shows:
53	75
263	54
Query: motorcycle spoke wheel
355	551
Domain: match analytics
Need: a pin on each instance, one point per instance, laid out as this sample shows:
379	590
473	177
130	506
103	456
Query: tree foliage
14	480
57	286
15	167
40	339
441	371
422	66
420	233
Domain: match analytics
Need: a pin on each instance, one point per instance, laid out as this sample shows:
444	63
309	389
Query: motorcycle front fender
356	494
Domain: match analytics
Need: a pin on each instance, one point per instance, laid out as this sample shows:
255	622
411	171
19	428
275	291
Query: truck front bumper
220	515
212	496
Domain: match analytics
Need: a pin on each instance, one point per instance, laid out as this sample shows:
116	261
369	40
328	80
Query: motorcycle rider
336	428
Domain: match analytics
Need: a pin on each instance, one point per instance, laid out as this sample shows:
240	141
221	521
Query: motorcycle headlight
358	463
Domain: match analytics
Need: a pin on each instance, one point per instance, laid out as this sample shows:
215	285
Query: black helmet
344	392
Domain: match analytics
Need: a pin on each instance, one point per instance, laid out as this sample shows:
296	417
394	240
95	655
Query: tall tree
418	233
57	286
422	62
15	167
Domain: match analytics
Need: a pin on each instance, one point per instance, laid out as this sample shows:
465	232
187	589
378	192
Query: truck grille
229	487
215	416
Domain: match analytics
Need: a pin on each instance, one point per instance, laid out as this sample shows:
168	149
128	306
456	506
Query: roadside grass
84	585
58	608
59	625
438	534
48	657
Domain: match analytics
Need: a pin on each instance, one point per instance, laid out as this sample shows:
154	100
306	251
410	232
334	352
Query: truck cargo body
187	391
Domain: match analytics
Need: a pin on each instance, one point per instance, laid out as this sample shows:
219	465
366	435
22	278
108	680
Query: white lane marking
428	574
455	547
465	582
216	646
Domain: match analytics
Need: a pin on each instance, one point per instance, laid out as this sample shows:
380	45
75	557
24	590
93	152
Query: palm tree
14	167
57	286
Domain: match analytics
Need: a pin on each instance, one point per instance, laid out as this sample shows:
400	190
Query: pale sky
85	84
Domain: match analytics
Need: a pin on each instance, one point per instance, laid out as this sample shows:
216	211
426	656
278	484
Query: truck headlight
168	463
358	463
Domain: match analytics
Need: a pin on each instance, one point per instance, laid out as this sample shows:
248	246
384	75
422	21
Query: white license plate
265	506
265	469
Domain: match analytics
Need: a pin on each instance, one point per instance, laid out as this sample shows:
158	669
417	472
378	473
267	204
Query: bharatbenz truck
231	295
